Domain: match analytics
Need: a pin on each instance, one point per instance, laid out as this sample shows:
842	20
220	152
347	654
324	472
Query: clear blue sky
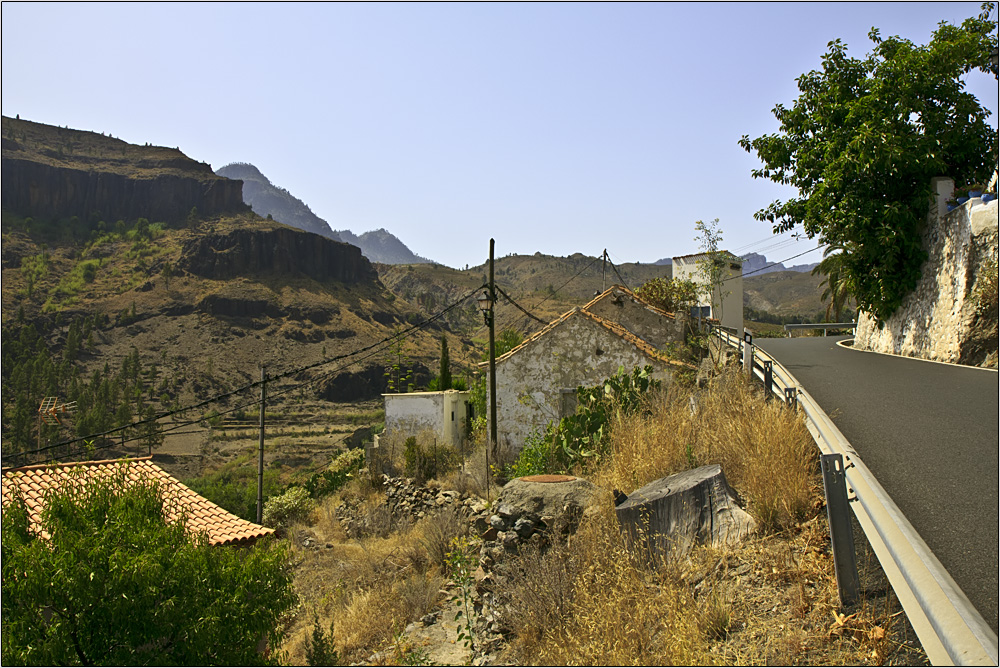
558	128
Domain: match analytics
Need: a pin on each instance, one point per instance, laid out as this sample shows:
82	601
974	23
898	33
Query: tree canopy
117	584
862	143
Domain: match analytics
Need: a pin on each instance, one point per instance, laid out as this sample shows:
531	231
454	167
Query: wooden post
260	459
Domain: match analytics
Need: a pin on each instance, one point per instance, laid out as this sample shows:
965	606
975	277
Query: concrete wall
938	320
727	300
534	383
619	306
443	413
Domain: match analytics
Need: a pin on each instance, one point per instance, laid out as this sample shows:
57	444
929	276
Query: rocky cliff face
51	173
951	316
287	251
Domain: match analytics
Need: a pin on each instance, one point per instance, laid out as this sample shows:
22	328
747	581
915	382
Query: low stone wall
939	319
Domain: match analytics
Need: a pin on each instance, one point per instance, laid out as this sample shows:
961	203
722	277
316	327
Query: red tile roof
222	527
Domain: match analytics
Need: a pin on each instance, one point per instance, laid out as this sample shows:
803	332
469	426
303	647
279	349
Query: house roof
631	295
221	526
730	256
612	327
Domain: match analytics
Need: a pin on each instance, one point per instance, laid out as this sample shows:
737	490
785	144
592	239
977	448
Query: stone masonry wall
939	319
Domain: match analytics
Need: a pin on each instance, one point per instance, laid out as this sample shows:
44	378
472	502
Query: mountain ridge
268	199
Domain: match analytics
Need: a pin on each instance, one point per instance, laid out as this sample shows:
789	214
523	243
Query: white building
726	303
444	413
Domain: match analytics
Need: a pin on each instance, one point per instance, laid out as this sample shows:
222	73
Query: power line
386	341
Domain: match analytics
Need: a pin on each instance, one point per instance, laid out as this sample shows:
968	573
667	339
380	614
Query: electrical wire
373	347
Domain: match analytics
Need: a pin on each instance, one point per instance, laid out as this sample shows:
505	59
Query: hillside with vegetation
136	317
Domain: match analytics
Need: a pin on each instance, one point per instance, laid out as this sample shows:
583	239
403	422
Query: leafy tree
133	588
669	294
862	143
713	270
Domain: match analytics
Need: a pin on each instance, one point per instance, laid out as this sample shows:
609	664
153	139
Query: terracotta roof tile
222	527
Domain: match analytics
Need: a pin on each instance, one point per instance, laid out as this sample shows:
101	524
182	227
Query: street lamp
485	302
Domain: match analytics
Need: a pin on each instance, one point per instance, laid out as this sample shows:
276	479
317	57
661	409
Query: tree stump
668	517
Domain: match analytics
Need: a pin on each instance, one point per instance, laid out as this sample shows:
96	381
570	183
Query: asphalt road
929	434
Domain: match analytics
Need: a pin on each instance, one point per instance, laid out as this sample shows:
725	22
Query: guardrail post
841	534
747	352
791	399
768	380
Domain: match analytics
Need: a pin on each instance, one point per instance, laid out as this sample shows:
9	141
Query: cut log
668	517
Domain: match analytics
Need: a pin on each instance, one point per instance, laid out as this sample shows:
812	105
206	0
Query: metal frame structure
950	629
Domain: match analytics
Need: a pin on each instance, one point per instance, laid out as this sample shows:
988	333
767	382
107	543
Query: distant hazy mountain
382	246
266	198
758	264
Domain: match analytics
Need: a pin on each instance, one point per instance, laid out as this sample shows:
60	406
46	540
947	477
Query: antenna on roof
48	412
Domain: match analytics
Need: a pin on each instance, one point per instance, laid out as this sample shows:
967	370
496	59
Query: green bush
133	588
288	508
581	438
342	469
234	487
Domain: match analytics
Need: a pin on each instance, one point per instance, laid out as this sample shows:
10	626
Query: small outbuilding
445	413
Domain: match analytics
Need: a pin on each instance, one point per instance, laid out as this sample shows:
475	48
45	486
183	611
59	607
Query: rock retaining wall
940	320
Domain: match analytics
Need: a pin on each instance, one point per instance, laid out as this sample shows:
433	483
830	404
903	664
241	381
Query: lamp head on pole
485	301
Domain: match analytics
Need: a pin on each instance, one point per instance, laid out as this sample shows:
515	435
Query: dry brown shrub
619	613
436	532
763	448
534	590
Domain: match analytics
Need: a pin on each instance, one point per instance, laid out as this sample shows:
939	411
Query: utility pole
604	270
493	361
260	459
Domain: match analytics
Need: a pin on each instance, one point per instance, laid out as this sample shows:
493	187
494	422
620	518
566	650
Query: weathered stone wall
530	383
938	320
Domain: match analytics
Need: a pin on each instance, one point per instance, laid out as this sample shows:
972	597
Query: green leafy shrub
581	438
342	469
288	508
134	588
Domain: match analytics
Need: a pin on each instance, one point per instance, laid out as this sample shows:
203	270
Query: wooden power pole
260	458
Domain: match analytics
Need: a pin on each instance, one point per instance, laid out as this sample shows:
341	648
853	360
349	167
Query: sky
555	128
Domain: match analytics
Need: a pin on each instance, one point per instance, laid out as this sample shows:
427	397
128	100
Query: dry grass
589	600
770	600
764	449
367	590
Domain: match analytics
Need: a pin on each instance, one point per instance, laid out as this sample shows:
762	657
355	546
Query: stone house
444	413
537	380
726	303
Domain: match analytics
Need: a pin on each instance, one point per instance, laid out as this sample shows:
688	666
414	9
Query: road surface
929	434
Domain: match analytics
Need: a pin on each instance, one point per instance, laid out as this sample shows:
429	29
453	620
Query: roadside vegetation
773	599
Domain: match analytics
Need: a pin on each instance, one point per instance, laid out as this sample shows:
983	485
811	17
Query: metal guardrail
950	629
822	325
